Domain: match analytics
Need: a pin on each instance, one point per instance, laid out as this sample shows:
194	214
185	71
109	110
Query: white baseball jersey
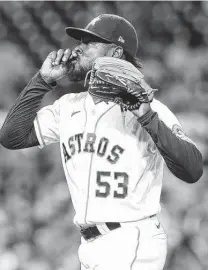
113	168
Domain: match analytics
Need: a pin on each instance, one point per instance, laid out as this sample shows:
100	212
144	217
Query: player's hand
143	109
56	65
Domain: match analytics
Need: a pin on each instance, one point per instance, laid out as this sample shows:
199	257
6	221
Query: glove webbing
120	94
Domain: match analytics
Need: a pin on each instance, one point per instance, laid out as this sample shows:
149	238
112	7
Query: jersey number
122	185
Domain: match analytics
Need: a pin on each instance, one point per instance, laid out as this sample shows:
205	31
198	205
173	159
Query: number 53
122	186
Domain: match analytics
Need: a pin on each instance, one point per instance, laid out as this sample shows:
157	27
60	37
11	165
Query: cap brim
80	34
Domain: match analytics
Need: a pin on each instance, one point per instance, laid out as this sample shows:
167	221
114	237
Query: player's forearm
181	156
18	131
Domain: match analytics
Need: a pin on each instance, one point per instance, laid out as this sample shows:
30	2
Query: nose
77	51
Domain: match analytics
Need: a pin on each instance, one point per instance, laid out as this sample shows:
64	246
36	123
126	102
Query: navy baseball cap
109	28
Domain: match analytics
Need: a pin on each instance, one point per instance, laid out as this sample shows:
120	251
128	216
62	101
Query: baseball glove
117	80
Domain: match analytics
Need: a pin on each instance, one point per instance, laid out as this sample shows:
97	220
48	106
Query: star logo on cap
121	39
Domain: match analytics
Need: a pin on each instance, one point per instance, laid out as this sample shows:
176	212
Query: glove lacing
86	77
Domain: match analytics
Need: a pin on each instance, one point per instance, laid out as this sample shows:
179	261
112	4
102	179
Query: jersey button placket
90	127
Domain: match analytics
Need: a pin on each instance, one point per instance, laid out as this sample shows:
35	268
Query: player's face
85	55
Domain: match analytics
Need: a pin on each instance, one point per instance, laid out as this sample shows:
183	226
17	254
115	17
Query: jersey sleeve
179	152
46	124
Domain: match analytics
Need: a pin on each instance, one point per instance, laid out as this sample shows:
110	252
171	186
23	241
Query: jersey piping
39	133
90	171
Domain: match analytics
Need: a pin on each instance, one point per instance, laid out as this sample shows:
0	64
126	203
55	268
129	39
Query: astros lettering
77	144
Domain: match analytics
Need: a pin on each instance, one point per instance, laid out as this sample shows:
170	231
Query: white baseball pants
140	245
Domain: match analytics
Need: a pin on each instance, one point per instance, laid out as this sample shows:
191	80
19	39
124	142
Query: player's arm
18	130
180	154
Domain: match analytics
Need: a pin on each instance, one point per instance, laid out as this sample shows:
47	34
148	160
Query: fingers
137	94
50	59
136	91
133	89
74	53
60	57
66	56
52	56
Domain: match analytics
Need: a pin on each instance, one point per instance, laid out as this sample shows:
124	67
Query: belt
92	232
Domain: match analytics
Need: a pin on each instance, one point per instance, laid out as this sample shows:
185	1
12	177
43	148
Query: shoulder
73	98
159	107
164	113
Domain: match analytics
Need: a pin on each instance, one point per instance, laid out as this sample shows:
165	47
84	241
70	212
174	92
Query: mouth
74	69
72	63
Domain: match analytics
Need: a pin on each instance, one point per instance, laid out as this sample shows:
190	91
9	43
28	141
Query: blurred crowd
36	214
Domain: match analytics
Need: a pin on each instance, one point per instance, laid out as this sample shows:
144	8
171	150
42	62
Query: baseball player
113	157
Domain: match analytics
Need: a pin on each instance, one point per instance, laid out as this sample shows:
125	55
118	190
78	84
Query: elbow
10	146
196	171
197	174
6	143
194	168
13	143
195	177
191	177
190	174
4	139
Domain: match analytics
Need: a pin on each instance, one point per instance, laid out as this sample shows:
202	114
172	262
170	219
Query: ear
116	52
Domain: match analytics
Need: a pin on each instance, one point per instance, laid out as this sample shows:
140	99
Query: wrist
143	109
147	117
40	83
48	80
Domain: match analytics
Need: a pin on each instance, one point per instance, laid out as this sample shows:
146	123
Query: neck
96	99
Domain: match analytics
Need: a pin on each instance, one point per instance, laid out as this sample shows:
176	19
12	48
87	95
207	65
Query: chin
78	73
75	77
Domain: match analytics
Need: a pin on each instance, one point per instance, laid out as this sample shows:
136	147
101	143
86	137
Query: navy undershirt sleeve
182	157
18	130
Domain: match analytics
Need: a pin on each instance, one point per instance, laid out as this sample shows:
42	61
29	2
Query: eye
78	50
86	41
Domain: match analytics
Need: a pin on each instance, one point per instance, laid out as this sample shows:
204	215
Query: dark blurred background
36	228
